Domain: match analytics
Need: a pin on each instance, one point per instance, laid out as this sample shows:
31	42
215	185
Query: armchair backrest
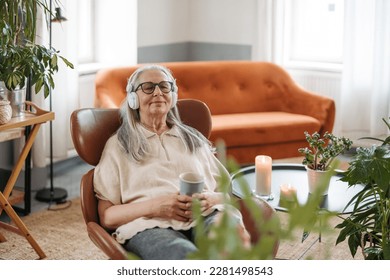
91	127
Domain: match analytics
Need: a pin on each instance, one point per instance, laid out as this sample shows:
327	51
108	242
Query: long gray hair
129	133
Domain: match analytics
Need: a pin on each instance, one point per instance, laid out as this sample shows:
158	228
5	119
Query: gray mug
191	183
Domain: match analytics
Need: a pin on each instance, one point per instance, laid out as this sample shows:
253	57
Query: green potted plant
319	156
368	226
20	56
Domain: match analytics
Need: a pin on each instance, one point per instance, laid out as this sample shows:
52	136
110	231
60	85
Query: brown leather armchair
91	128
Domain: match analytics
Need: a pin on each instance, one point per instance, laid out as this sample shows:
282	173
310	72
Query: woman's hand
209	199
173	206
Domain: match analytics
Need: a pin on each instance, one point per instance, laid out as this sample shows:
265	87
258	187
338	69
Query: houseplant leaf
368	226
370	165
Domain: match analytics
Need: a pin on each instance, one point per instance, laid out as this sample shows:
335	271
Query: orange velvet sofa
256	107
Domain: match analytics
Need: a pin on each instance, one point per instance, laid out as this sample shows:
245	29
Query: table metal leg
306	233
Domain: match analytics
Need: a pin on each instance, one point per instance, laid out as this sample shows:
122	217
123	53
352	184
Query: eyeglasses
149	87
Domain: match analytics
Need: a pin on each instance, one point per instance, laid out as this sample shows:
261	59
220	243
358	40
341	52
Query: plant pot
17	98
318	179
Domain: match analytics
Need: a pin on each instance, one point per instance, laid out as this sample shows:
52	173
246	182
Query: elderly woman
137	179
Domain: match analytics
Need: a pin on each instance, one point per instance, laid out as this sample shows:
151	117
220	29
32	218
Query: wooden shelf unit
34	117
16	197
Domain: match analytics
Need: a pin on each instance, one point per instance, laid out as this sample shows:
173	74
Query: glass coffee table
338	196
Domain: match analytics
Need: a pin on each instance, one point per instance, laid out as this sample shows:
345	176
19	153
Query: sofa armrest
110	86
311	104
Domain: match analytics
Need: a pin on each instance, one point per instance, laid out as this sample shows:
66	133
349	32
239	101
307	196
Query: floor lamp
52	194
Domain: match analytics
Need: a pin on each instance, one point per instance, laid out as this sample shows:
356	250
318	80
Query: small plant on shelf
323	150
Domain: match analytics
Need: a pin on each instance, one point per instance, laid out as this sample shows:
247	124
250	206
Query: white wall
117	37
223	21
163	22
213	21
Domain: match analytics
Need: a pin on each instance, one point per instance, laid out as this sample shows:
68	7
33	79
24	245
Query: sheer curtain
365	95
64	95
38	148
263	49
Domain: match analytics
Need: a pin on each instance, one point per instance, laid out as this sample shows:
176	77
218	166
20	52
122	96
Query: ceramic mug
191	183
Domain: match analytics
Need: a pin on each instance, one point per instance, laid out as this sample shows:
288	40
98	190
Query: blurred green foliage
224	241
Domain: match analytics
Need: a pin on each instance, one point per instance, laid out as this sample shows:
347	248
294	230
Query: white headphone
132	97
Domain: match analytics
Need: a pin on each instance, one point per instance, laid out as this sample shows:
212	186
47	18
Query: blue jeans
165	243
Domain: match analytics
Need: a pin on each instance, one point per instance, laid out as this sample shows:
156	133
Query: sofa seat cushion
260	128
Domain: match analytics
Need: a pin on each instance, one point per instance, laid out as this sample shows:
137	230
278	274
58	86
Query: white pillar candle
287	191
263	170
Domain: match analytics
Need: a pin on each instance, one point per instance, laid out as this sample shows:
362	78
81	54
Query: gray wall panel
193	51
163	53
216	51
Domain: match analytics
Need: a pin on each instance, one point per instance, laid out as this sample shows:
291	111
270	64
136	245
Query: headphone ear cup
174	94
132	100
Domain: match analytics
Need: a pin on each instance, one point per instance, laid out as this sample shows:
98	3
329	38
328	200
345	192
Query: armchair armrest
250	224
103	240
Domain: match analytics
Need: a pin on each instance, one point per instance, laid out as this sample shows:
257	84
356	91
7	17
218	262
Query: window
313	33
107	33
86	34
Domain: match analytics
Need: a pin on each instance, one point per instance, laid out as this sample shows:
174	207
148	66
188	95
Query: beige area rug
312	248
61	234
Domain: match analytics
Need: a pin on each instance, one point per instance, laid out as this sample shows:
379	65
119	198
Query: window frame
283	16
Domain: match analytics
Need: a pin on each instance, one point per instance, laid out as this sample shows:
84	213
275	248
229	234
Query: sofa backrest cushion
226	87
234	87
